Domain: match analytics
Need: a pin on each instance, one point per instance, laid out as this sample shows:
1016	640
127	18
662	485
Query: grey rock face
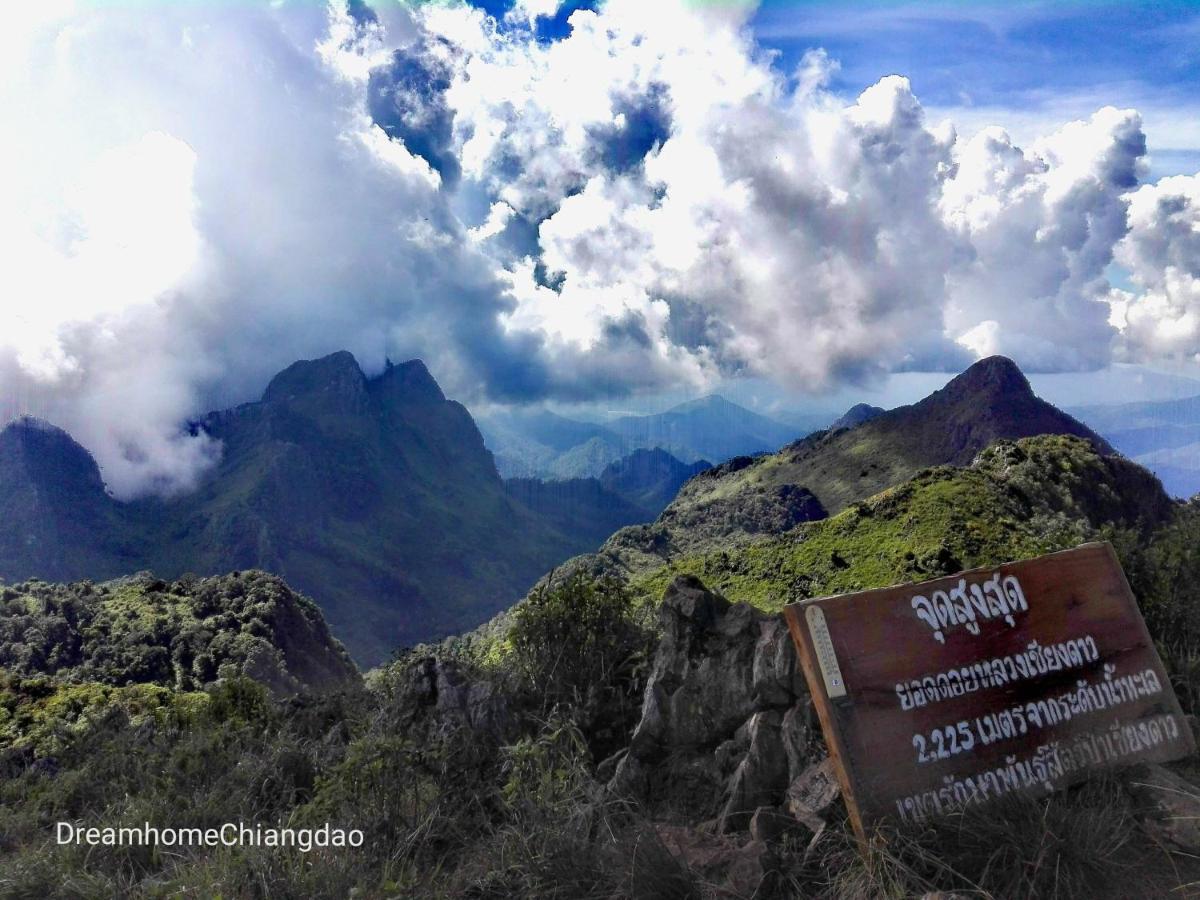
724	727
811	795
457	701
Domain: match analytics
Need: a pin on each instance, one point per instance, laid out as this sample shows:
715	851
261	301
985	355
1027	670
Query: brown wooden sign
1024	677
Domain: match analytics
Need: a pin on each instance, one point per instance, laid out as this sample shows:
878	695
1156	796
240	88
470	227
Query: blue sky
1017	64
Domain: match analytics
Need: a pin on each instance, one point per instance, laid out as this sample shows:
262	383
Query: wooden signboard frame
1028	676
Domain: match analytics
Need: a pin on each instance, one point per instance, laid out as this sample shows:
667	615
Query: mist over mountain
808	215
378	498
582	507
195	693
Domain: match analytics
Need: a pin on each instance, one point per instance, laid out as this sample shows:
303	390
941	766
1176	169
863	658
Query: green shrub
583	645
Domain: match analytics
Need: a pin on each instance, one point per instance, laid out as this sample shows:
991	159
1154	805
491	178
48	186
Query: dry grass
1074	846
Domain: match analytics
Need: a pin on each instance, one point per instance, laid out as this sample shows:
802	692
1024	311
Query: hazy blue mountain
650	478
1163	436
1117	417
589	459
528	443
541	444
584	507
546	428
710	428
803	422
634	489
58	521
1177	467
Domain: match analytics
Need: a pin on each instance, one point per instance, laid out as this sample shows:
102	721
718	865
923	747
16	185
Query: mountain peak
994	376
337	376
21	426
856	415
48	455
409	382
707	402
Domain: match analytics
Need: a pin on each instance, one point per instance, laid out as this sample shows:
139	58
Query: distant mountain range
635	488
1163	436
542	444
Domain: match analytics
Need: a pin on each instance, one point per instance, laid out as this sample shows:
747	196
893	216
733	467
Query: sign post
1024	677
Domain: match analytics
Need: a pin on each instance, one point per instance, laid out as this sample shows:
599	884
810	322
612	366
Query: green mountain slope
1016	500
989	401
376	496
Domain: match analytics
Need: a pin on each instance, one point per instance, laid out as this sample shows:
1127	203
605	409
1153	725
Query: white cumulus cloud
1162	254
194	196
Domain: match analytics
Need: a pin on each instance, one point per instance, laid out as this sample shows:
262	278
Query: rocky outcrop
726	727
442	694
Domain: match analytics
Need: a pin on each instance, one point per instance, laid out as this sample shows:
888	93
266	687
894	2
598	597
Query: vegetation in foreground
473	768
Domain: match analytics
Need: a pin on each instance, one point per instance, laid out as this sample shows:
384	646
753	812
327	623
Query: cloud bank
197	196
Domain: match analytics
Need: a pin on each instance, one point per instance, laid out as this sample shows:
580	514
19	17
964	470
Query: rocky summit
991	400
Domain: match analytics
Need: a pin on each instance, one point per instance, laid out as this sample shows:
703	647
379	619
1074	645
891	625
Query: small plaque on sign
1028	676
826	655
